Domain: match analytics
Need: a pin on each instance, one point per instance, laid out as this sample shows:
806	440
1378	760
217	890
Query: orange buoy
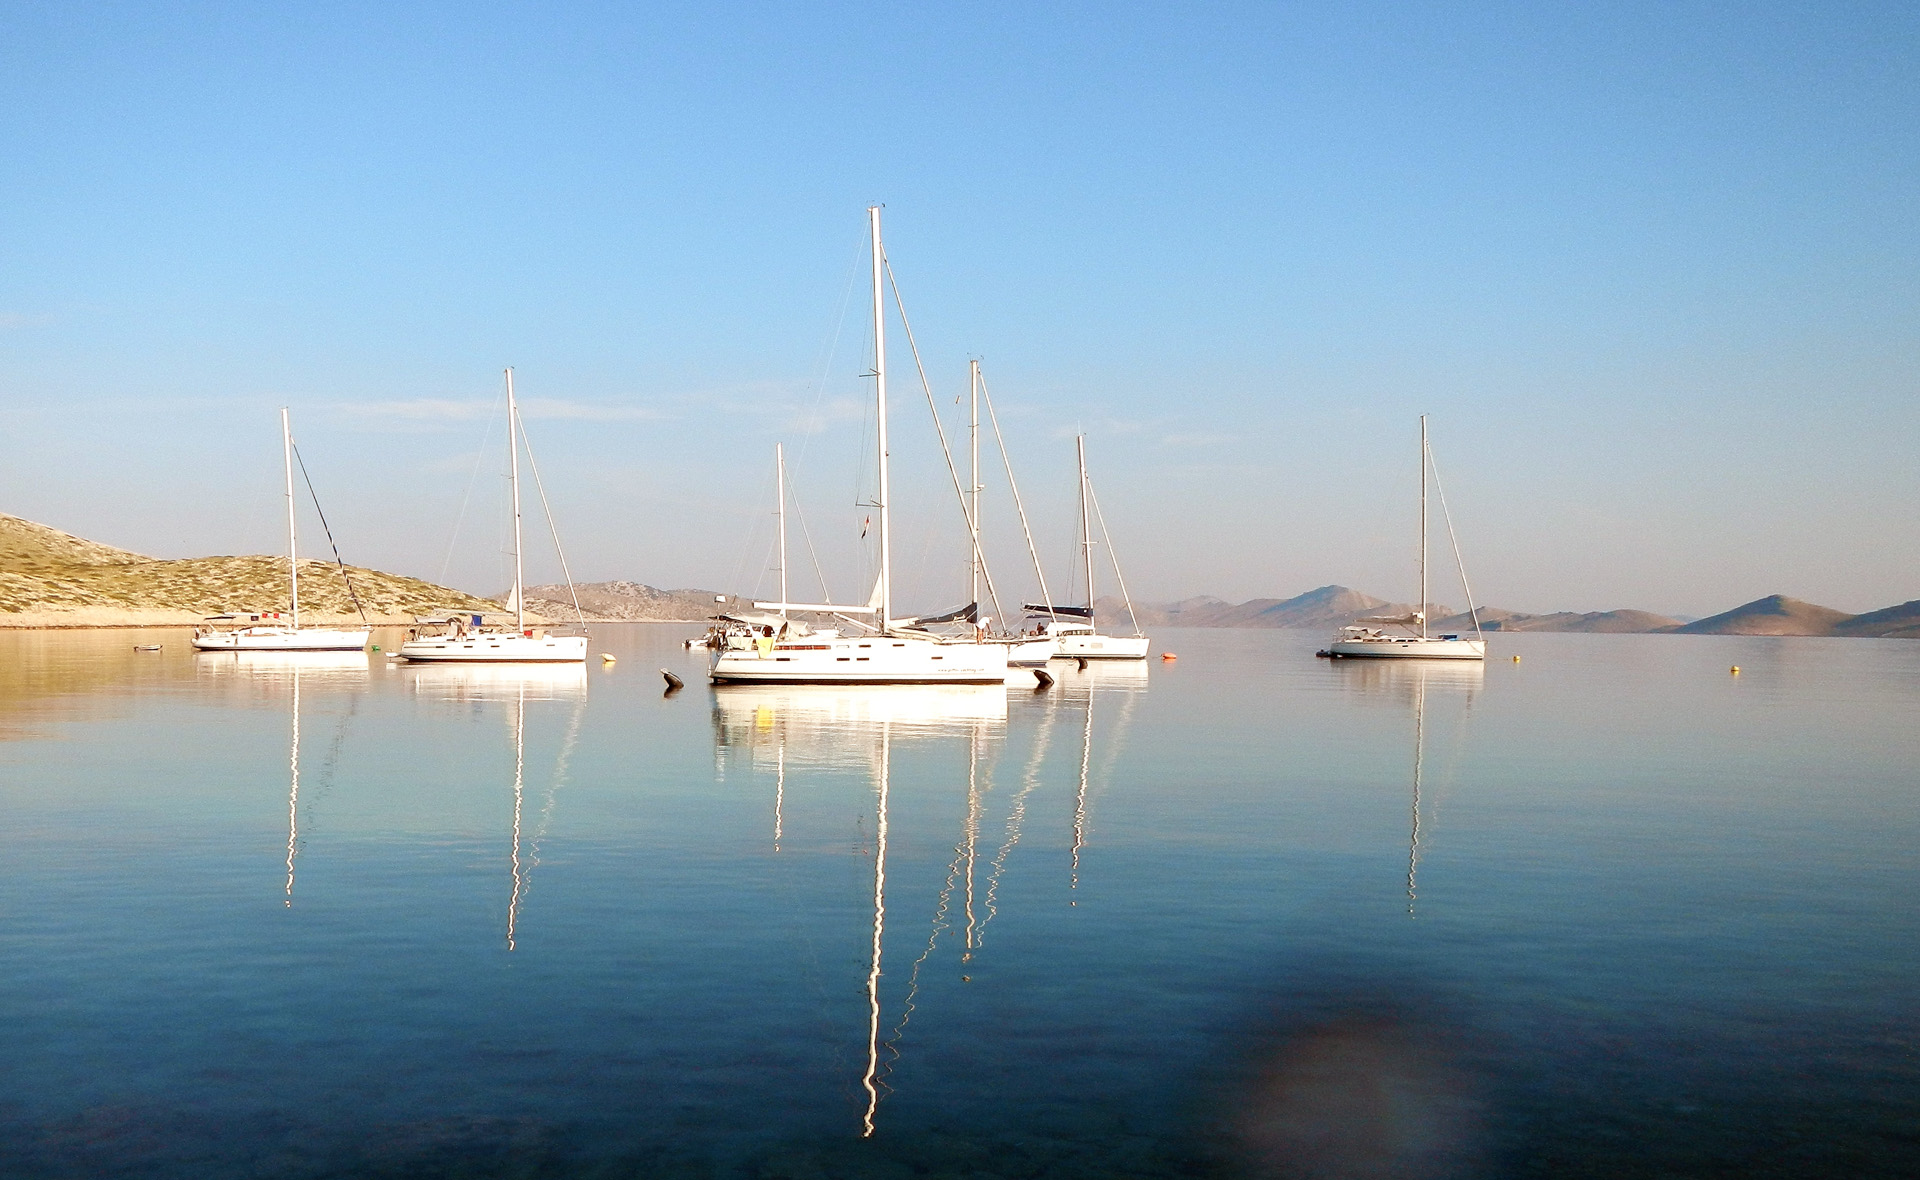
1168	656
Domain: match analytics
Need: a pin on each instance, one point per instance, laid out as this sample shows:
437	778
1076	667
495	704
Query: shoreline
183	621
168	620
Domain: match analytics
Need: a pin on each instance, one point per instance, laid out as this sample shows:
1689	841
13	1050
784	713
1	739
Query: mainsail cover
968	613
1076	612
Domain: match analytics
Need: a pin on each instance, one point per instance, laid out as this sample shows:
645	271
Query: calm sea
1607	911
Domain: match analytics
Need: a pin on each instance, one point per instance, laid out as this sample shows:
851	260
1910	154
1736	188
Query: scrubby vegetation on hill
50	578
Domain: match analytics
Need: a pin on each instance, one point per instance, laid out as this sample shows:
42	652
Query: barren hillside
51	579
1775	614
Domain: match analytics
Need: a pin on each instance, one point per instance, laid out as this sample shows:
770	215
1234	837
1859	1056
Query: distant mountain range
1610	622
625	602
1777	614
1325	608
1337	606
1329	606
49	578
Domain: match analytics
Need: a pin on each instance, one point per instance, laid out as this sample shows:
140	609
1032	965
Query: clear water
1645	917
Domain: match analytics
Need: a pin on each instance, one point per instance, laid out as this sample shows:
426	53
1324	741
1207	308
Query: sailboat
768	650
290	635
1072	628
1365	639
1023	651
455	639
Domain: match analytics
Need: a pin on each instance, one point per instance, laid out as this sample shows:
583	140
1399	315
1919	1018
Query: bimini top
753	619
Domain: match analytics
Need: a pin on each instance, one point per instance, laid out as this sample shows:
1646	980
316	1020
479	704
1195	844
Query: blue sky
1650	268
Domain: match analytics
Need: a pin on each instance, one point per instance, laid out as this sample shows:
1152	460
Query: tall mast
880	400
1423	526
293	556
973	510
513	459
780	468
1086	522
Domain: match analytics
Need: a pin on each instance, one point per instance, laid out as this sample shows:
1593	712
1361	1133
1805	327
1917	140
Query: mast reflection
1411	681
879	928
519	783
293	788
783	731
783	728
261	674
1419	753
514	685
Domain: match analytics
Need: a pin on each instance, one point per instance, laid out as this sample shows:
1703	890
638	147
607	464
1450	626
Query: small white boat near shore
272	631
265	634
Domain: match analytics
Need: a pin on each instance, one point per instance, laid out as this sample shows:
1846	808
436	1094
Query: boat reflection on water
1412	681
1405	679
1123	680
273	668
498	682
267	673
835	724
514	686
825	728
854	726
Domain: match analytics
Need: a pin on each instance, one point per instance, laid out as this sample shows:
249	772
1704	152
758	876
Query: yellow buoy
605	658
1516	659
1735	670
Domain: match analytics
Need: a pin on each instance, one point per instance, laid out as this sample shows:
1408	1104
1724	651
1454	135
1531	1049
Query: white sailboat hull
1031	653
1100	647
1409	647
873	659
489	647
294	639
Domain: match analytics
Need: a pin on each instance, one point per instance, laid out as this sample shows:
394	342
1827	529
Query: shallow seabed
1608	911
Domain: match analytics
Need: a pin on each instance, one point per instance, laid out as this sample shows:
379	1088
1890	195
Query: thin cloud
430	409
571	411
1104	426
420	409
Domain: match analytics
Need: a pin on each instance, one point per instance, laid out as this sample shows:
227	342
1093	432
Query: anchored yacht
1071	628
774	648
1366	638
464	638
273	631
